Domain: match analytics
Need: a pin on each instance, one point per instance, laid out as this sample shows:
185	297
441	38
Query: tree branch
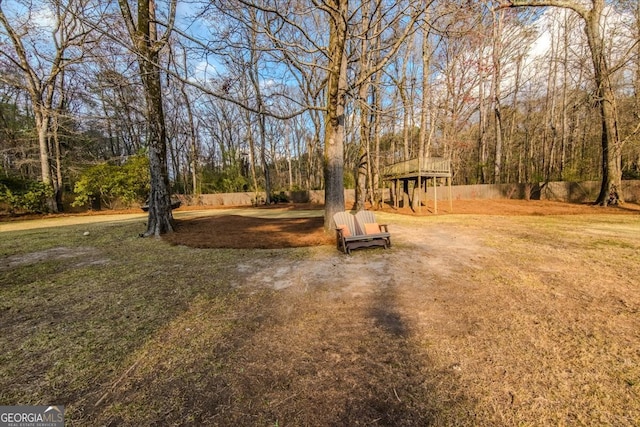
566	4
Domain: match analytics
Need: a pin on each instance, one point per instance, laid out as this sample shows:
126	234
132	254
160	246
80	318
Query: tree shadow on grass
303	358
413	391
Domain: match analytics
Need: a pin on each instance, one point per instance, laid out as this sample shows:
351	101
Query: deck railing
430	166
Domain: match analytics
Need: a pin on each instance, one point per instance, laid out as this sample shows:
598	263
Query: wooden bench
359	231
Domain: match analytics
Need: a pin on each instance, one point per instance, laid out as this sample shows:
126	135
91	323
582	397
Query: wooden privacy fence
576	192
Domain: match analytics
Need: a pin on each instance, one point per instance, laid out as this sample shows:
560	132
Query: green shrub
280	197
109	183
225	181
25	195
349	180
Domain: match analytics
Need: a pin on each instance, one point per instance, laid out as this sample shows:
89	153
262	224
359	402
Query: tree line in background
271	95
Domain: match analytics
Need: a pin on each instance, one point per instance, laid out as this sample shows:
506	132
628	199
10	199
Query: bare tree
41	68
484	102
289	29
604	95
498	22
366	54
456	62
117	109
338	11
252	70
147	45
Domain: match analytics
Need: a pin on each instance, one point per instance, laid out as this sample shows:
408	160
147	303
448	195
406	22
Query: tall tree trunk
426	89
160	220
57	183
263	155
423	149
334	119
252	155
605	96
255	81
362	165
550	130
42	127
144	36
314	179
375	166
497	79
564	116
482	121
407	102
514	117
287	150
193	139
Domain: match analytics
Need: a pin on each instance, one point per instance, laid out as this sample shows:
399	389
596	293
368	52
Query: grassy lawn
466	320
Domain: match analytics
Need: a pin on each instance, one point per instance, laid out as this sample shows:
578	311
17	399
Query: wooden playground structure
419	172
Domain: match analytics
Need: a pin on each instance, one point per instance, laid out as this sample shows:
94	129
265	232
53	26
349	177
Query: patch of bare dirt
85	255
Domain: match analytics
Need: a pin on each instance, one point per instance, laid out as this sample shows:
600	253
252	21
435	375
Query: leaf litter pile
243	232
480	319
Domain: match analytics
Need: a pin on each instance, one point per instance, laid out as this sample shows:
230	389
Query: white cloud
44	18
540	47
203	71
39	17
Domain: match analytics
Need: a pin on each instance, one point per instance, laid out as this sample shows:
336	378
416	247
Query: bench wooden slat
358	238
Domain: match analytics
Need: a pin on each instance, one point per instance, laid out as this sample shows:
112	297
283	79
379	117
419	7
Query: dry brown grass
472	319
